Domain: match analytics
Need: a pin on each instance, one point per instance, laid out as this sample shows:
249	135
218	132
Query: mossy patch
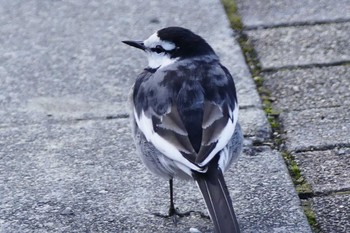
231	11
301	185
311	216
303	188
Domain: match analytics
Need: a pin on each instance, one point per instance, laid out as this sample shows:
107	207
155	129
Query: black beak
136	44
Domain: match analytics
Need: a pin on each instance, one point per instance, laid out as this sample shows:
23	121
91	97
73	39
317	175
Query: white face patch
158	60
154	40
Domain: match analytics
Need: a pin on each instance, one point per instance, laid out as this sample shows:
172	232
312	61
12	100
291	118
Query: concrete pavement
67	163
304	52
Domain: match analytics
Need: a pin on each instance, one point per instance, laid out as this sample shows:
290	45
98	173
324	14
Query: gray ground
67	162
304	52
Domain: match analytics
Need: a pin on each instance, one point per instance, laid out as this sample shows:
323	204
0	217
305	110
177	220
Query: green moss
293	167
231	11
311	216
251	57
245	44
301	185
271	113
343	193
303	188
258	80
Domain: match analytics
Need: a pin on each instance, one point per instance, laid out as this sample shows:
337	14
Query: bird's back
188	102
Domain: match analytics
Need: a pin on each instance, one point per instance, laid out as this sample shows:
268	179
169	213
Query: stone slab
255	124
327	171
266	194
303	45
333	213
86	177
63	61
300	89
270	13
316	128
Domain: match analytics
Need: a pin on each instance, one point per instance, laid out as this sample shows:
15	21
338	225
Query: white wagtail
184	118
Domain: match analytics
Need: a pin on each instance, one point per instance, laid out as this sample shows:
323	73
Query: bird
184	118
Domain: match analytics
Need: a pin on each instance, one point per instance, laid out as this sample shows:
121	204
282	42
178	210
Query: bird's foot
174	214
202	215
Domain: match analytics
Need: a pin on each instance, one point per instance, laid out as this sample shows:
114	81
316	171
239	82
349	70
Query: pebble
67	211
194	230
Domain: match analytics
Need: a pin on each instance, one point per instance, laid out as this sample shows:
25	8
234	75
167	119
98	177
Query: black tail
217	198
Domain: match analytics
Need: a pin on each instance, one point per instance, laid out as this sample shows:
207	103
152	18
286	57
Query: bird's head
171	44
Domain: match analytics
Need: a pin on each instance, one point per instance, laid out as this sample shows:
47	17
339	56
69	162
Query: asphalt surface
304	53
67	161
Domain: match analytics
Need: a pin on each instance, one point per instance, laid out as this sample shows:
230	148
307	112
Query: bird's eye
158	49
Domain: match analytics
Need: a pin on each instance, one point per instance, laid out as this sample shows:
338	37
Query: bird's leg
173	212
172	209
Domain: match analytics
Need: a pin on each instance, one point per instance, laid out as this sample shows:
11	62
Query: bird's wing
158	119
220	113
188	121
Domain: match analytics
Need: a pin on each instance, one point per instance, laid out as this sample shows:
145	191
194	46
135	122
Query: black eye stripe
158	49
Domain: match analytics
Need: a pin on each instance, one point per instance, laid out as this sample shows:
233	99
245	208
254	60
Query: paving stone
65	168
303	45
254	124
301	89
327	171
85	176
284	12
266	194
80	177
333	213
60	60
316	128
247	94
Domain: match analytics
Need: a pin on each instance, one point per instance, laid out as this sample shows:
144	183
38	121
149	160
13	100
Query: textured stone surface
301	89
285	12
333	213
62	60
304	45
65	168
85	176
266	196
326	171
316	128
254	123
80	177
